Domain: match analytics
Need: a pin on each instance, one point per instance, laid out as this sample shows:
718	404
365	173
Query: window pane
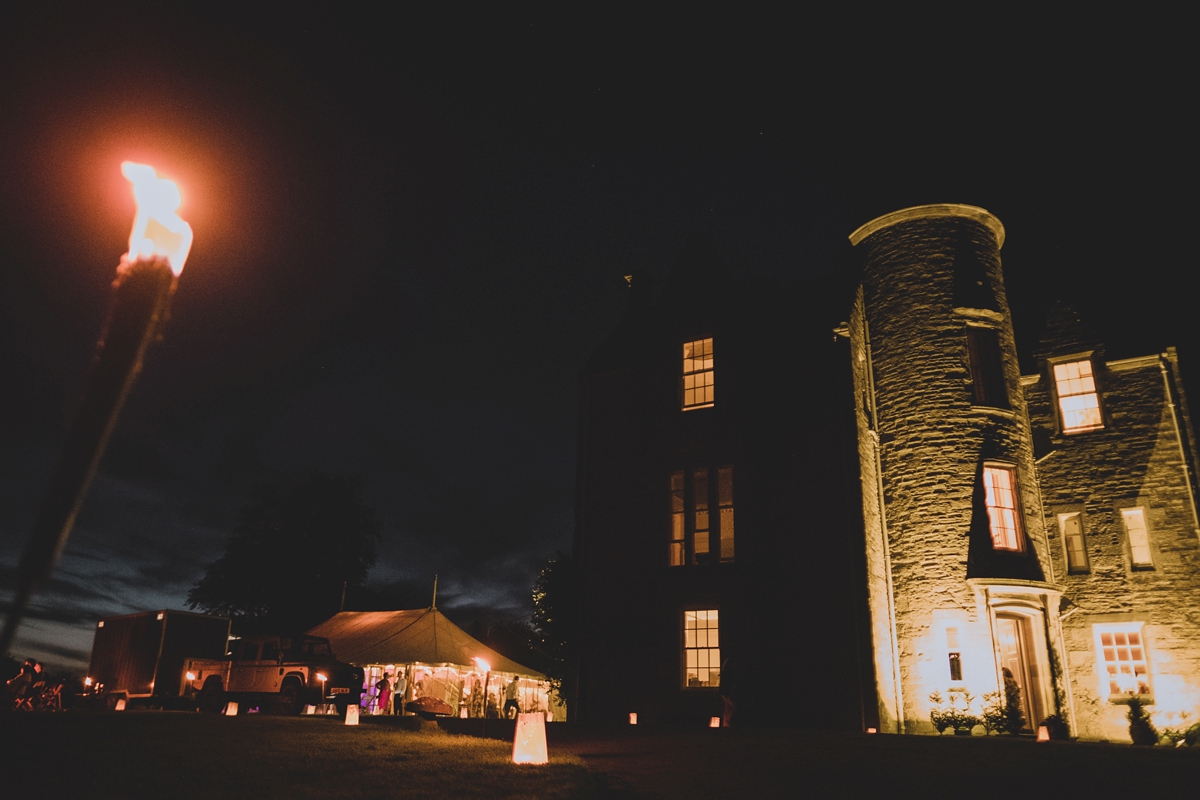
697	384
1139	539
1078	401
702	655
1124	660
1000	495
987	367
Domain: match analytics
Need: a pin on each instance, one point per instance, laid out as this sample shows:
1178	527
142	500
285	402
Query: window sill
1007	413
697	408
1080	431
979	313
1123	700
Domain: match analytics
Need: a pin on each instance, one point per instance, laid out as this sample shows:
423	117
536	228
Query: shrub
993	713
1014	717
1141	729
1192	736
1056	727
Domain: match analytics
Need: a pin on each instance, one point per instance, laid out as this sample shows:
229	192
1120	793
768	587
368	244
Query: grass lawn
155	754
179	755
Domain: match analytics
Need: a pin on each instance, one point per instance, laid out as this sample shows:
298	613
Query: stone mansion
913	515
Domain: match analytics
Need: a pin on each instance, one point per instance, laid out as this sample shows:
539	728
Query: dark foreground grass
181	755
178	755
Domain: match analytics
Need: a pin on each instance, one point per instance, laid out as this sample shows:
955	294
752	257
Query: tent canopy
404	637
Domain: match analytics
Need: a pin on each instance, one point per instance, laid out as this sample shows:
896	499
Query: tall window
1121	652
725	502
697	374
1004	517
677	543
1138	536
701	649
1078	401
987	367
1071	527
696	535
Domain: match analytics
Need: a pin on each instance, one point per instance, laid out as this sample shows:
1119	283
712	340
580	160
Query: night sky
411	232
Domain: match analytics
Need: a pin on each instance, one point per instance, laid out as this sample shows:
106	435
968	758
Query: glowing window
725	504
1077	398
696	535
1004	519
987	368
701	649
1139	537
1071	527
677	555
700	516
697	374
1121	652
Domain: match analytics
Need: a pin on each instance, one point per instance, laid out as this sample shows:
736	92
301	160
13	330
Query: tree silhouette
295	548
555	610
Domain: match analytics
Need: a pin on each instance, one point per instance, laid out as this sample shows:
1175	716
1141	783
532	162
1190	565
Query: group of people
385	697
28	689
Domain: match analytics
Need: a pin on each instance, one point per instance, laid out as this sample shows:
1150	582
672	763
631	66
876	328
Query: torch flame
157	230
483	665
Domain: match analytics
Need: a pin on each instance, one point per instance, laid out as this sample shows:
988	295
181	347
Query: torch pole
142	297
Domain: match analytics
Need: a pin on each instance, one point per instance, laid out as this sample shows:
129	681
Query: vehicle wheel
211	698
289	697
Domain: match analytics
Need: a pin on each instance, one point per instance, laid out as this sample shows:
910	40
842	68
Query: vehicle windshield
306	646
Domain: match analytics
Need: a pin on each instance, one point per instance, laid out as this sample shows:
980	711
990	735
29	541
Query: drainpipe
1187	480
887	550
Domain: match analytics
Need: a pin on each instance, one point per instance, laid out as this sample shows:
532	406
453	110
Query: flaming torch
146	277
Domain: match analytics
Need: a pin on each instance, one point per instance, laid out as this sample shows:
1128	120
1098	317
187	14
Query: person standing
384	694
510	698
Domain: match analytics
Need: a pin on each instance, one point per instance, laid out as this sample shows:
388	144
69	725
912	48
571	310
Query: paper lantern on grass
120	706
529	743
310	709
714	722
1043	733
230	709
633	718
352	715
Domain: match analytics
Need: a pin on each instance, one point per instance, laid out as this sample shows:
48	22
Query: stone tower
961	590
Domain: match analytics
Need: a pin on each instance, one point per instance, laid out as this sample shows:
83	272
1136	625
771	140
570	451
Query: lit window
1077	398
1004	520
987	368
700	516
1139	538
677	536
725	503
954	654
696	535
697	374
701	649
1122	655
1071	527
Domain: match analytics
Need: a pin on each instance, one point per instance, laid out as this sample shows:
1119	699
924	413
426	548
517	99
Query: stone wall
933	440
1137	459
